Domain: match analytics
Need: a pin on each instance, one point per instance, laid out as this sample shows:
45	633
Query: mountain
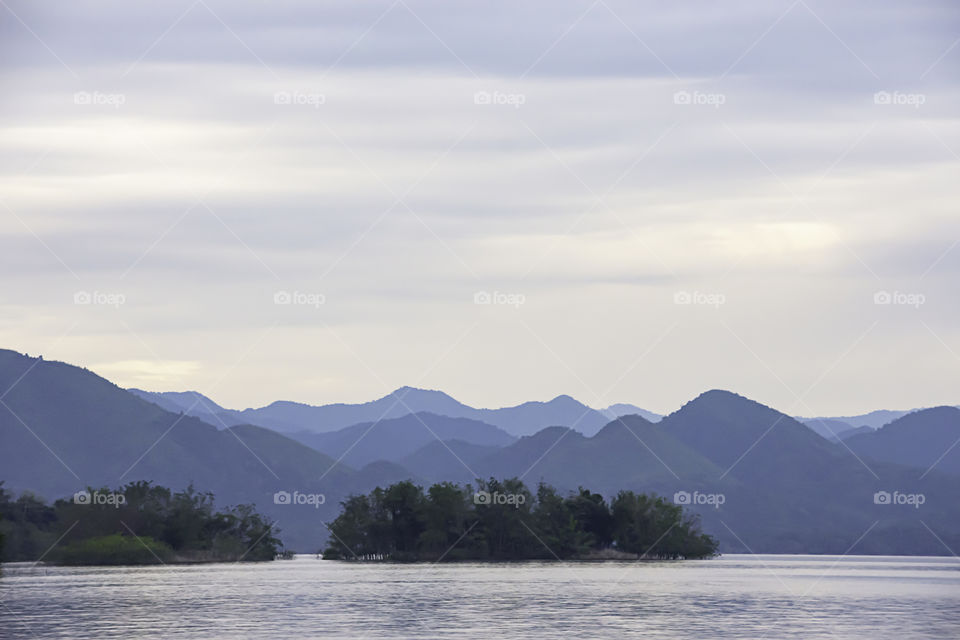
629	452
760	480
842	436
192	403
796	490
522	419
395	438
294	416
615	411
874	419
925	439
160	399
530	417
64	428
784	489
829	428
450	460
725	427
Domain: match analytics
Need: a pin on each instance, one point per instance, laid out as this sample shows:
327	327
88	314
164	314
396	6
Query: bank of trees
503	520
137	524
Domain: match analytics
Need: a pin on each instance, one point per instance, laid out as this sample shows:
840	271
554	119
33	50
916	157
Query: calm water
731	597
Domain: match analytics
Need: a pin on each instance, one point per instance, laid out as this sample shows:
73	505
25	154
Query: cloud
199	157
150	373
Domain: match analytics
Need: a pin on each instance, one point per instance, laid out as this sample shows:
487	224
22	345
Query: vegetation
114	549
502	520
137	524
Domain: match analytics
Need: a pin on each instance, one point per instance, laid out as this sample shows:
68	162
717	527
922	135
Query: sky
619	201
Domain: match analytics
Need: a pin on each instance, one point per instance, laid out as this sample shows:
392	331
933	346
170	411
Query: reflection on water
731	596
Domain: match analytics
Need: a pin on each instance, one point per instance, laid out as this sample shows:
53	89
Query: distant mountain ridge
519	420
192	403
928	439
784	488
618	410
829	428
294	417
64	428
873	419
393	439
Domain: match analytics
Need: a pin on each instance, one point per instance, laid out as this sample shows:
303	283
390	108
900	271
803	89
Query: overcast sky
312	201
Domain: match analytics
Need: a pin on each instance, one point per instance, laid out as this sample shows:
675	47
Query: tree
651	527
557	526
403	502
502	520
101	526
503	514
593	516
447	520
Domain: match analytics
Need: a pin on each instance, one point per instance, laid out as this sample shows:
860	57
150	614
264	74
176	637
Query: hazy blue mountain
785	488
853	431
381	474
623	409
798	491
627	453
531	417
723	426
294	416
453	460
64	428
395	438
189	399
523	419
920	439
874	419
192	403
829	428
158	399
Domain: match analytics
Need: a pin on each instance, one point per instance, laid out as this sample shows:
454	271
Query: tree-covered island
138	524
504	521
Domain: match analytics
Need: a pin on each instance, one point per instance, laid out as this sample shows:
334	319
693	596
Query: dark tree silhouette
503	520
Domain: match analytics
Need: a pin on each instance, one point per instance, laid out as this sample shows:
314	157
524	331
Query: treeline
502	520
137	524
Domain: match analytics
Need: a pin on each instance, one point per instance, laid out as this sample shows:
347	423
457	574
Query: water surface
734	596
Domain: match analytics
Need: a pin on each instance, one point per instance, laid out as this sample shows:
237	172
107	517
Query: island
503	521
139	523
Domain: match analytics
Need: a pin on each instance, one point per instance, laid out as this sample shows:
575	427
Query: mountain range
394	438
286	416
523	419
926	439
760	480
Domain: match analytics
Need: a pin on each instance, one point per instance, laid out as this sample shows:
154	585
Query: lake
734	596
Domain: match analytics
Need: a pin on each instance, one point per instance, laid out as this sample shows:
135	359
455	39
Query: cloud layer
682	196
